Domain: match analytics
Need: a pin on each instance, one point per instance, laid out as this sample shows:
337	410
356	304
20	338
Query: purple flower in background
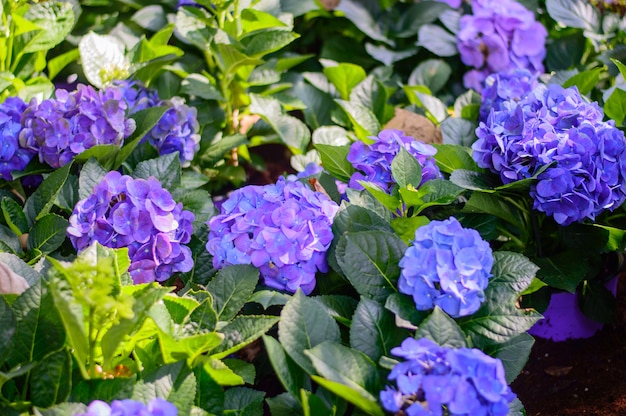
137	96
58	129
447	266
503	86
283	229
557	136
177	131
455	4
138	214
373	161
465	381
12	156
156	407
497	36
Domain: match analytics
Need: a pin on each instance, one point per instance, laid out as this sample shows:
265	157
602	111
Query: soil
578	377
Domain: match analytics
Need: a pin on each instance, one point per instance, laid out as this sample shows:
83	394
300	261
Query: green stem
93	335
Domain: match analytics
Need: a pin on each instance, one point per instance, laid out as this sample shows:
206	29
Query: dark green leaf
14	216
48	233
243	330
405	227
585	81
50	381
563	270
7	329
335	162
56	20
202	320
243	401
597	302
199	85
458	131
345	77
373	330
369	259
442	329
451	157
406	169
173	383
615	106
574	13
267	298
262	43
166	169
437	40
209	394
513	354
91	175
231	289
363	120
432	73
305	323
145	120
42	200
292	377
513	269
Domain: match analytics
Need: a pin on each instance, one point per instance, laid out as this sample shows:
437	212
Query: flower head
137	96
556	135
503	86
373	161
156	407
499	35
447	266
138	214
283	229
60	128
465	381
13	157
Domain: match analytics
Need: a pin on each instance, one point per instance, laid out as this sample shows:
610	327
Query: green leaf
391	202
145	120
260	44
417	15
433	73
574	13
437	40
42	200
209	394
172	382
14	216
620	66
39	328
166	169
406	169
304	323
221	373
369	259
564	270
8	326
56	20
483	203
243	401
200	86
48	233
21	268
202	319
292	377
585	81
366	404
597	302
56	64
405	227
451	157
231	289
335	162
363	120
345	77
513	354
373	330
347	366
91	175
267	298
434	106
513	270
189	348
179	308
355	218
372	94
459	131
365	20
50	380
442	329
243	330
615	106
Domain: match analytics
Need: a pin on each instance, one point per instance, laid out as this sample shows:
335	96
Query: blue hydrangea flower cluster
176	131
373	161
557	134
127	407
12	155
283	229
60	128
503	86
447	266
466	381
499	35
138	214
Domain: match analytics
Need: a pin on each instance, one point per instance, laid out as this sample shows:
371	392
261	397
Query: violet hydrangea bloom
137	96
283	229
373	161
58	129
12	156
503	86
556	134
138	214
127	407
447	266
465	381
499	35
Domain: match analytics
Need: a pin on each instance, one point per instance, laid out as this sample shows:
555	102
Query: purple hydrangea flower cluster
12	155
138	214
373	161
127	407
503	86
60	128
447	266
499	35
176	131
466	381
283	229
557	134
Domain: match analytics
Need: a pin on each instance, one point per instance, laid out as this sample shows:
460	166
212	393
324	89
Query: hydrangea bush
283	229
13	157
447	266
434	380
156	407
140	215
